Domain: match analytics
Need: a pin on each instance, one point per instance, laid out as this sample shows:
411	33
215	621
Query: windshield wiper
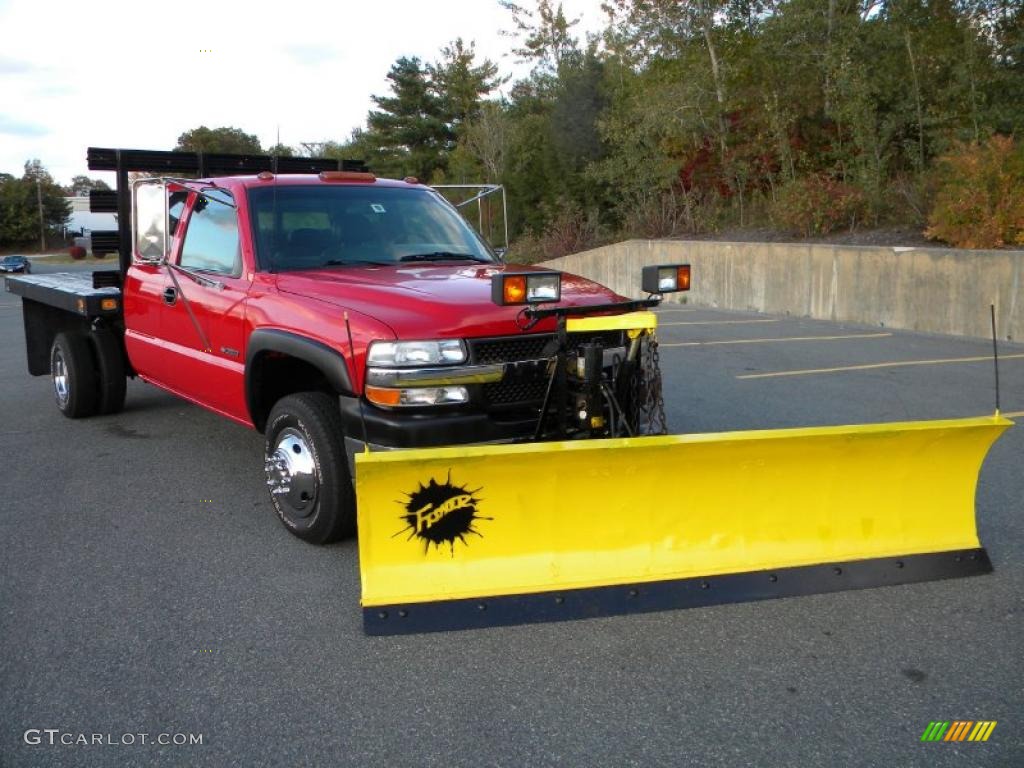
443	256
357	262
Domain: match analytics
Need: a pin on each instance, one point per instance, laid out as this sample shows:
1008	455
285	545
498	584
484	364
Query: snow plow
633	521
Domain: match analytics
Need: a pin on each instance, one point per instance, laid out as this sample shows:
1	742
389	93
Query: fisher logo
440	513
958	730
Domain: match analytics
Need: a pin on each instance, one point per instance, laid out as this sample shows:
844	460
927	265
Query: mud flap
475	536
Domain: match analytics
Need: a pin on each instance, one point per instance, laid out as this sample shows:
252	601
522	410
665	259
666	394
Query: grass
64	258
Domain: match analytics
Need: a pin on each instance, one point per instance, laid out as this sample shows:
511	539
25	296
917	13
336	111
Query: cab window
211	238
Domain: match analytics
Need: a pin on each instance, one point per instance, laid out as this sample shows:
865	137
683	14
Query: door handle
170	295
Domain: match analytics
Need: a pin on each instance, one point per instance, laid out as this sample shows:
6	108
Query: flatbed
74	292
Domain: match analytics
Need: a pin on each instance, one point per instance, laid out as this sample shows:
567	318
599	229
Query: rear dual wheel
75	381
88	373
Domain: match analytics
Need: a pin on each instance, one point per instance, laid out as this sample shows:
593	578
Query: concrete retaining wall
936	290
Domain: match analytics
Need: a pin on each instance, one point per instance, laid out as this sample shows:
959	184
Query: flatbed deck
73	292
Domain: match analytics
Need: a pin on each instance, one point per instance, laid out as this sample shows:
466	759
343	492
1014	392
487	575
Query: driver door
203	315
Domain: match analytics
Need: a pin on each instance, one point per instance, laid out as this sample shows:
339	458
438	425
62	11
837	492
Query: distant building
82	222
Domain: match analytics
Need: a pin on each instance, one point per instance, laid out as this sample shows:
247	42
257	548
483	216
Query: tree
486	139
21	201
80	185
408	129
667	27
461	84
545	34
282	151
687	115
226	140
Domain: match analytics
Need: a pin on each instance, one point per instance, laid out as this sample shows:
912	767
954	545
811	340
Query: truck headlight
395	353
417	396
525	287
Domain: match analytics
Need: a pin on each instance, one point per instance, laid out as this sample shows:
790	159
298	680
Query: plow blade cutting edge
473	536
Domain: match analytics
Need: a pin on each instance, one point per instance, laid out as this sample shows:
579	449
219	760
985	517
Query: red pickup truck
334	312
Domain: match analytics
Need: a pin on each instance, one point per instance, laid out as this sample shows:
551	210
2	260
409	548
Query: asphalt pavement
147	587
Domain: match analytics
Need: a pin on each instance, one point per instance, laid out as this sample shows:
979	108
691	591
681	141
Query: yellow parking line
662	345
871	366
719	322
1013	414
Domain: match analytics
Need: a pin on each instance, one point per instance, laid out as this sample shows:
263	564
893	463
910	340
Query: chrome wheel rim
291	474
61	386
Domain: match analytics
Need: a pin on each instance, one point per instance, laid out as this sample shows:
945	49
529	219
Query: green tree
20	202
358	146
281	150
544	34
80	185
407	131
226	140
19	220
667	28
461	84
486	139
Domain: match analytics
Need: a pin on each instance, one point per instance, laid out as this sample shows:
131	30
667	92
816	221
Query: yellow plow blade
482	535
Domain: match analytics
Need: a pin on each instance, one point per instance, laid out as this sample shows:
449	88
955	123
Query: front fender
329	361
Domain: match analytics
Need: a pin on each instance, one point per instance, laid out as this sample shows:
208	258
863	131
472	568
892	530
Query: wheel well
274	375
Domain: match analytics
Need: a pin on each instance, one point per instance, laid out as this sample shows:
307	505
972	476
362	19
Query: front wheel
307	469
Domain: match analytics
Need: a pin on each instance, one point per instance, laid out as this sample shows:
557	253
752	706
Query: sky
138	74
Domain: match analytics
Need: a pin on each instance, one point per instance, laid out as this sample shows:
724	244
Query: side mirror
149	221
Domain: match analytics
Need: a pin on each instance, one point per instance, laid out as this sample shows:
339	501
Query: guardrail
935	290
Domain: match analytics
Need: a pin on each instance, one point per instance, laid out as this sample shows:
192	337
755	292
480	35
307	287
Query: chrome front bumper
435	377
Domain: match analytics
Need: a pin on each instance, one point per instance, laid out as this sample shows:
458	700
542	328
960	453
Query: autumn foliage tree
981	202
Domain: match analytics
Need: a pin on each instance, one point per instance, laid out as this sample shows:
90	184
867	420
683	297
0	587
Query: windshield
305	227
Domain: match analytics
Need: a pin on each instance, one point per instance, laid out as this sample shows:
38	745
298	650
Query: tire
73	373
113	382
307	468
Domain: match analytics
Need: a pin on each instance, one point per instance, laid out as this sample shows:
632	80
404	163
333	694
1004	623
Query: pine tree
408	127
461	84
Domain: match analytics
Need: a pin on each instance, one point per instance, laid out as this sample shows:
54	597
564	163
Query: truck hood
431	301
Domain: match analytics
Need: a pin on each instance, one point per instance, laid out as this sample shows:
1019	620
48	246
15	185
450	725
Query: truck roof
304	179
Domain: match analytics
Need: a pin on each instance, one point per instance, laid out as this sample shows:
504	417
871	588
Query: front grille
515	392
510	349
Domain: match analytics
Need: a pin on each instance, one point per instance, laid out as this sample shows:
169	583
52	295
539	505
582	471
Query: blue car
15	264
